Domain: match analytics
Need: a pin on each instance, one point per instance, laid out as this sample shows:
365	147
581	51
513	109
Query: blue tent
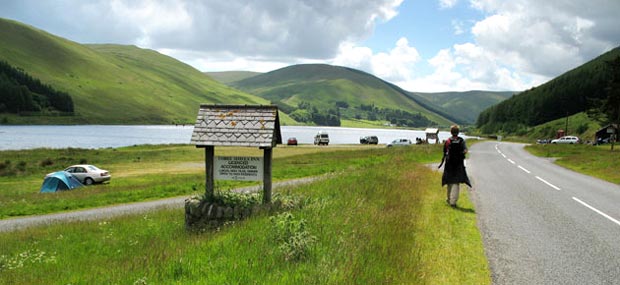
59	181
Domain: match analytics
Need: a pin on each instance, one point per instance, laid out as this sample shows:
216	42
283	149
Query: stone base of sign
201	214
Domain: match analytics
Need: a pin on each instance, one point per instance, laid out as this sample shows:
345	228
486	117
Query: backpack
453	149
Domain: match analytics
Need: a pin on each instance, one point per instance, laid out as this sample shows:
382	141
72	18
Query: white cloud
458	27
547	38
394	65
444	4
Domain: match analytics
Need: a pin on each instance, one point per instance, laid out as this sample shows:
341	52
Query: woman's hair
454	130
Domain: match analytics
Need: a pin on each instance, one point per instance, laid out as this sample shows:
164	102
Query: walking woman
454	173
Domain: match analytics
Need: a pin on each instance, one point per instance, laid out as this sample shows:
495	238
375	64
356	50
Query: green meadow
381	218
597	161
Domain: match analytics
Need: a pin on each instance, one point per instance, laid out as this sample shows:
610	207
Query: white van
321	138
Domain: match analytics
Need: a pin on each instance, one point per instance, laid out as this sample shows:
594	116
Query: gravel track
14	224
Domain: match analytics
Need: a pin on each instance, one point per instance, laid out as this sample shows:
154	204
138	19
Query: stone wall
201	214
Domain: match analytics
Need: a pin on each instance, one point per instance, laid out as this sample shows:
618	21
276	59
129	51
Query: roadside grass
597	161
152	172
384	223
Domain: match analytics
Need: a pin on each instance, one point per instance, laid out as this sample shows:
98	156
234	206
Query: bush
21	166
46	162
293	237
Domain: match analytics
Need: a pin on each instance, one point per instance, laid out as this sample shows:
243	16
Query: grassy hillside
228	77
576	125
466	105
571	93
323	86
112	84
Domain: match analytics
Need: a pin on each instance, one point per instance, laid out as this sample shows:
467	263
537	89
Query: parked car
291	141
601	141
369	140
89	174
543	141
399	142
321	138
566	140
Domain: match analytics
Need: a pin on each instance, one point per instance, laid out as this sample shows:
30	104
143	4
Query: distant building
432	134
605	132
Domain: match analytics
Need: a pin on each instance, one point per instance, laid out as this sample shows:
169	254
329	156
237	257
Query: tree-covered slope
112	84
350	93
570	93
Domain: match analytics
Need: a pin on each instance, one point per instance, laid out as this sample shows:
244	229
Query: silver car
566	140
399	142
89	174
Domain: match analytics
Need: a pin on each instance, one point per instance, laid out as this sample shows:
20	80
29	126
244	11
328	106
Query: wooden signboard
239	168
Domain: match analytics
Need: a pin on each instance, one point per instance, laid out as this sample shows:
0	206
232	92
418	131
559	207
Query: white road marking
496	147
503	155
511	161
528	172
550	185
597	211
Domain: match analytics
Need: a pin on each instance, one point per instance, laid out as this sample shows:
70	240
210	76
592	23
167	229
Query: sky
422	46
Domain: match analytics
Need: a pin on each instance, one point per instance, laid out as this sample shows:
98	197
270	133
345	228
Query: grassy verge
597	161
384	223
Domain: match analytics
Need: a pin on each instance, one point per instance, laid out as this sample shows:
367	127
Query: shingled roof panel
237	125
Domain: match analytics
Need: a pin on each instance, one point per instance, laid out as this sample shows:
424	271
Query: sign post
238	126
612	136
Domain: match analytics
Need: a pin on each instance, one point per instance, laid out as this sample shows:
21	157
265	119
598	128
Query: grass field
382	220
597	161
149	172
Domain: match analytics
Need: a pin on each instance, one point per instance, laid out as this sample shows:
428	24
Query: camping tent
59	181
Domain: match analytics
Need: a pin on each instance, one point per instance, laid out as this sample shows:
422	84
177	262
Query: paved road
14	224
541	223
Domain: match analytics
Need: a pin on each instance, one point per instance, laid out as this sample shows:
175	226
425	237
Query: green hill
112	84
228	77
306	89
466	105
568	94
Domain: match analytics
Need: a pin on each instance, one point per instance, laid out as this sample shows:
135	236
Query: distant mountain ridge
466	105
324	85
112	84
228	77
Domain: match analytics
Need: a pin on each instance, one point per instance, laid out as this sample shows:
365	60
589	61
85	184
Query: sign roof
237	125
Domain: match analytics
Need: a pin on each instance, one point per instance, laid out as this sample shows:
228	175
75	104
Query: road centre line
597	211
522	168
511	161
550	185
503	155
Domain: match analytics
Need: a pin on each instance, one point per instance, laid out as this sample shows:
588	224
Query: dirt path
14	224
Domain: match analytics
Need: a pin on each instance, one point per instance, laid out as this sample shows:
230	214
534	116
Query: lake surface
103	136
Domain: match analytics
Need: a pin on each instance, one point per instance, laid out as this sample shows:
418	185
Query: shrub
5	165
46	162
293	237
21	166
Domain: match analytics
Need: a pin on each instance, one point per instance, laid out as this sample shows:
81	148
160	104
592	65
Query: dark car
369	140
291	141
